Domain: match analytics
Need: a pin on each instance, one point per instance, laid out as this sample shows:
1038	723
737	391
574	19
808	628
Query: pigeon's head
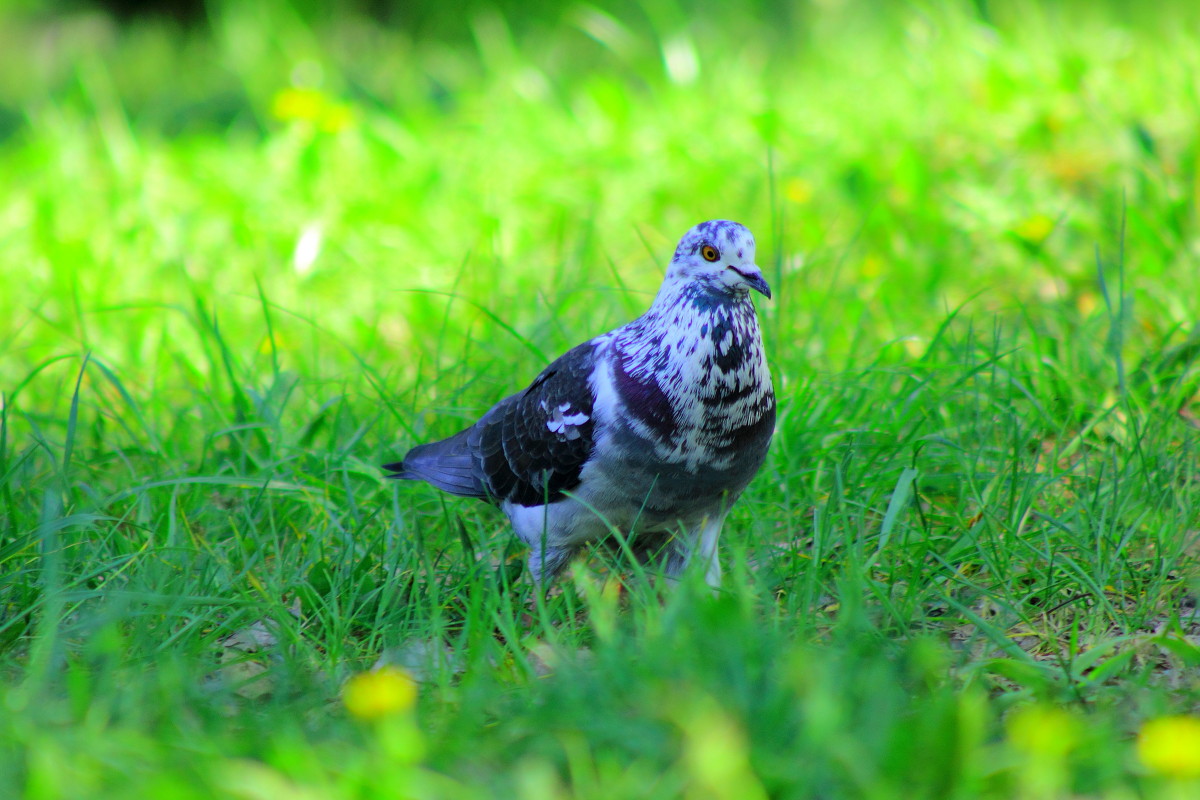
718	254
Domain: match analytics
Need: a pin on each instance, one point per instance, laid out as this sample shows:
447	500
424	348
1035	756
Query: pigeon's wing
533	445
528	449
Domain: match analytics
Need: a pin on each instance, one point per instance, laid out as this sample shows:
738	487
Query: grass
246	264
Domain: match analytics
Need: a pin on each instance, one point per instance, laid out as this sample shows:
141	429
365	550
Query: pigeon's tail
447	464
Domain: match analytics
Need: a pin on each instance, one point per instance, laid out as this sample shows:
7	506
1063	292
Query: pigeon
652	429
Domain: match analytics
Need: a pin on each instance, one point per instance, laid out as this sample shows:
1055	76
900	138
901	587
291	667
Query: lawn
248	260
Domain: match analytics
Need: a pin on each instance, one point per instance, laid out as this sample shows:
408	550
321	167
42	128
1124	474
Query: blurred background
347	153
249	251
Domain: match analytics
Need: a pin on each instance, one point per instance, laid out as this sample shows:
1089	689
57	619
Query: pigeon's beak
754	279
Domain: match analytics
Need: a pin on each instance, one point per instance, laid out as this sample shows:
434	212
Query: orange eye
709	252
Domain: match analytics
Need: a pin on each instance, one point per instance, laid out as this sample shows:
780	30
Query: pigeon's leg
546	562
547	532
699	543
710	535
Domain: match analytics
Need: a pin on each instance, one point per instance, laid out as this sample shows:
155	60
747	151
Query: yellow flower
798	190
1171	746
379	693
1043	731
1035	229
293	103
313	106
872	266
1086	302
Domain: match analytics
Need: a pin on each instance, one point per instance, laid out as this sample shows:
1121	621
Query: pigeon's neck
691	332
674	299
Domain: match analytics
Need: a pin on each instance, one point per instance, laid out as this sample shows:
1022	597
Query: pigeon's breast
693	409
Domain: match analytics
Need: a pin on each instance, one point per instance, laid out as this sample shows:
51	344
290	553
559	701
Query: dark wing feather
534	444
528	449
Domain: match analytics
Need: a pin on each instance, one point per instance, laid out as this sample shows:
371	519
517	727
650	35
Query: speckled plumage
654	428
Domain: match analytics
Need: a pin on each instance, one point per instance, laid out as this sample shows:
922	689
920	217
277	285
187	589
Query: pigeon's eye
709	252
